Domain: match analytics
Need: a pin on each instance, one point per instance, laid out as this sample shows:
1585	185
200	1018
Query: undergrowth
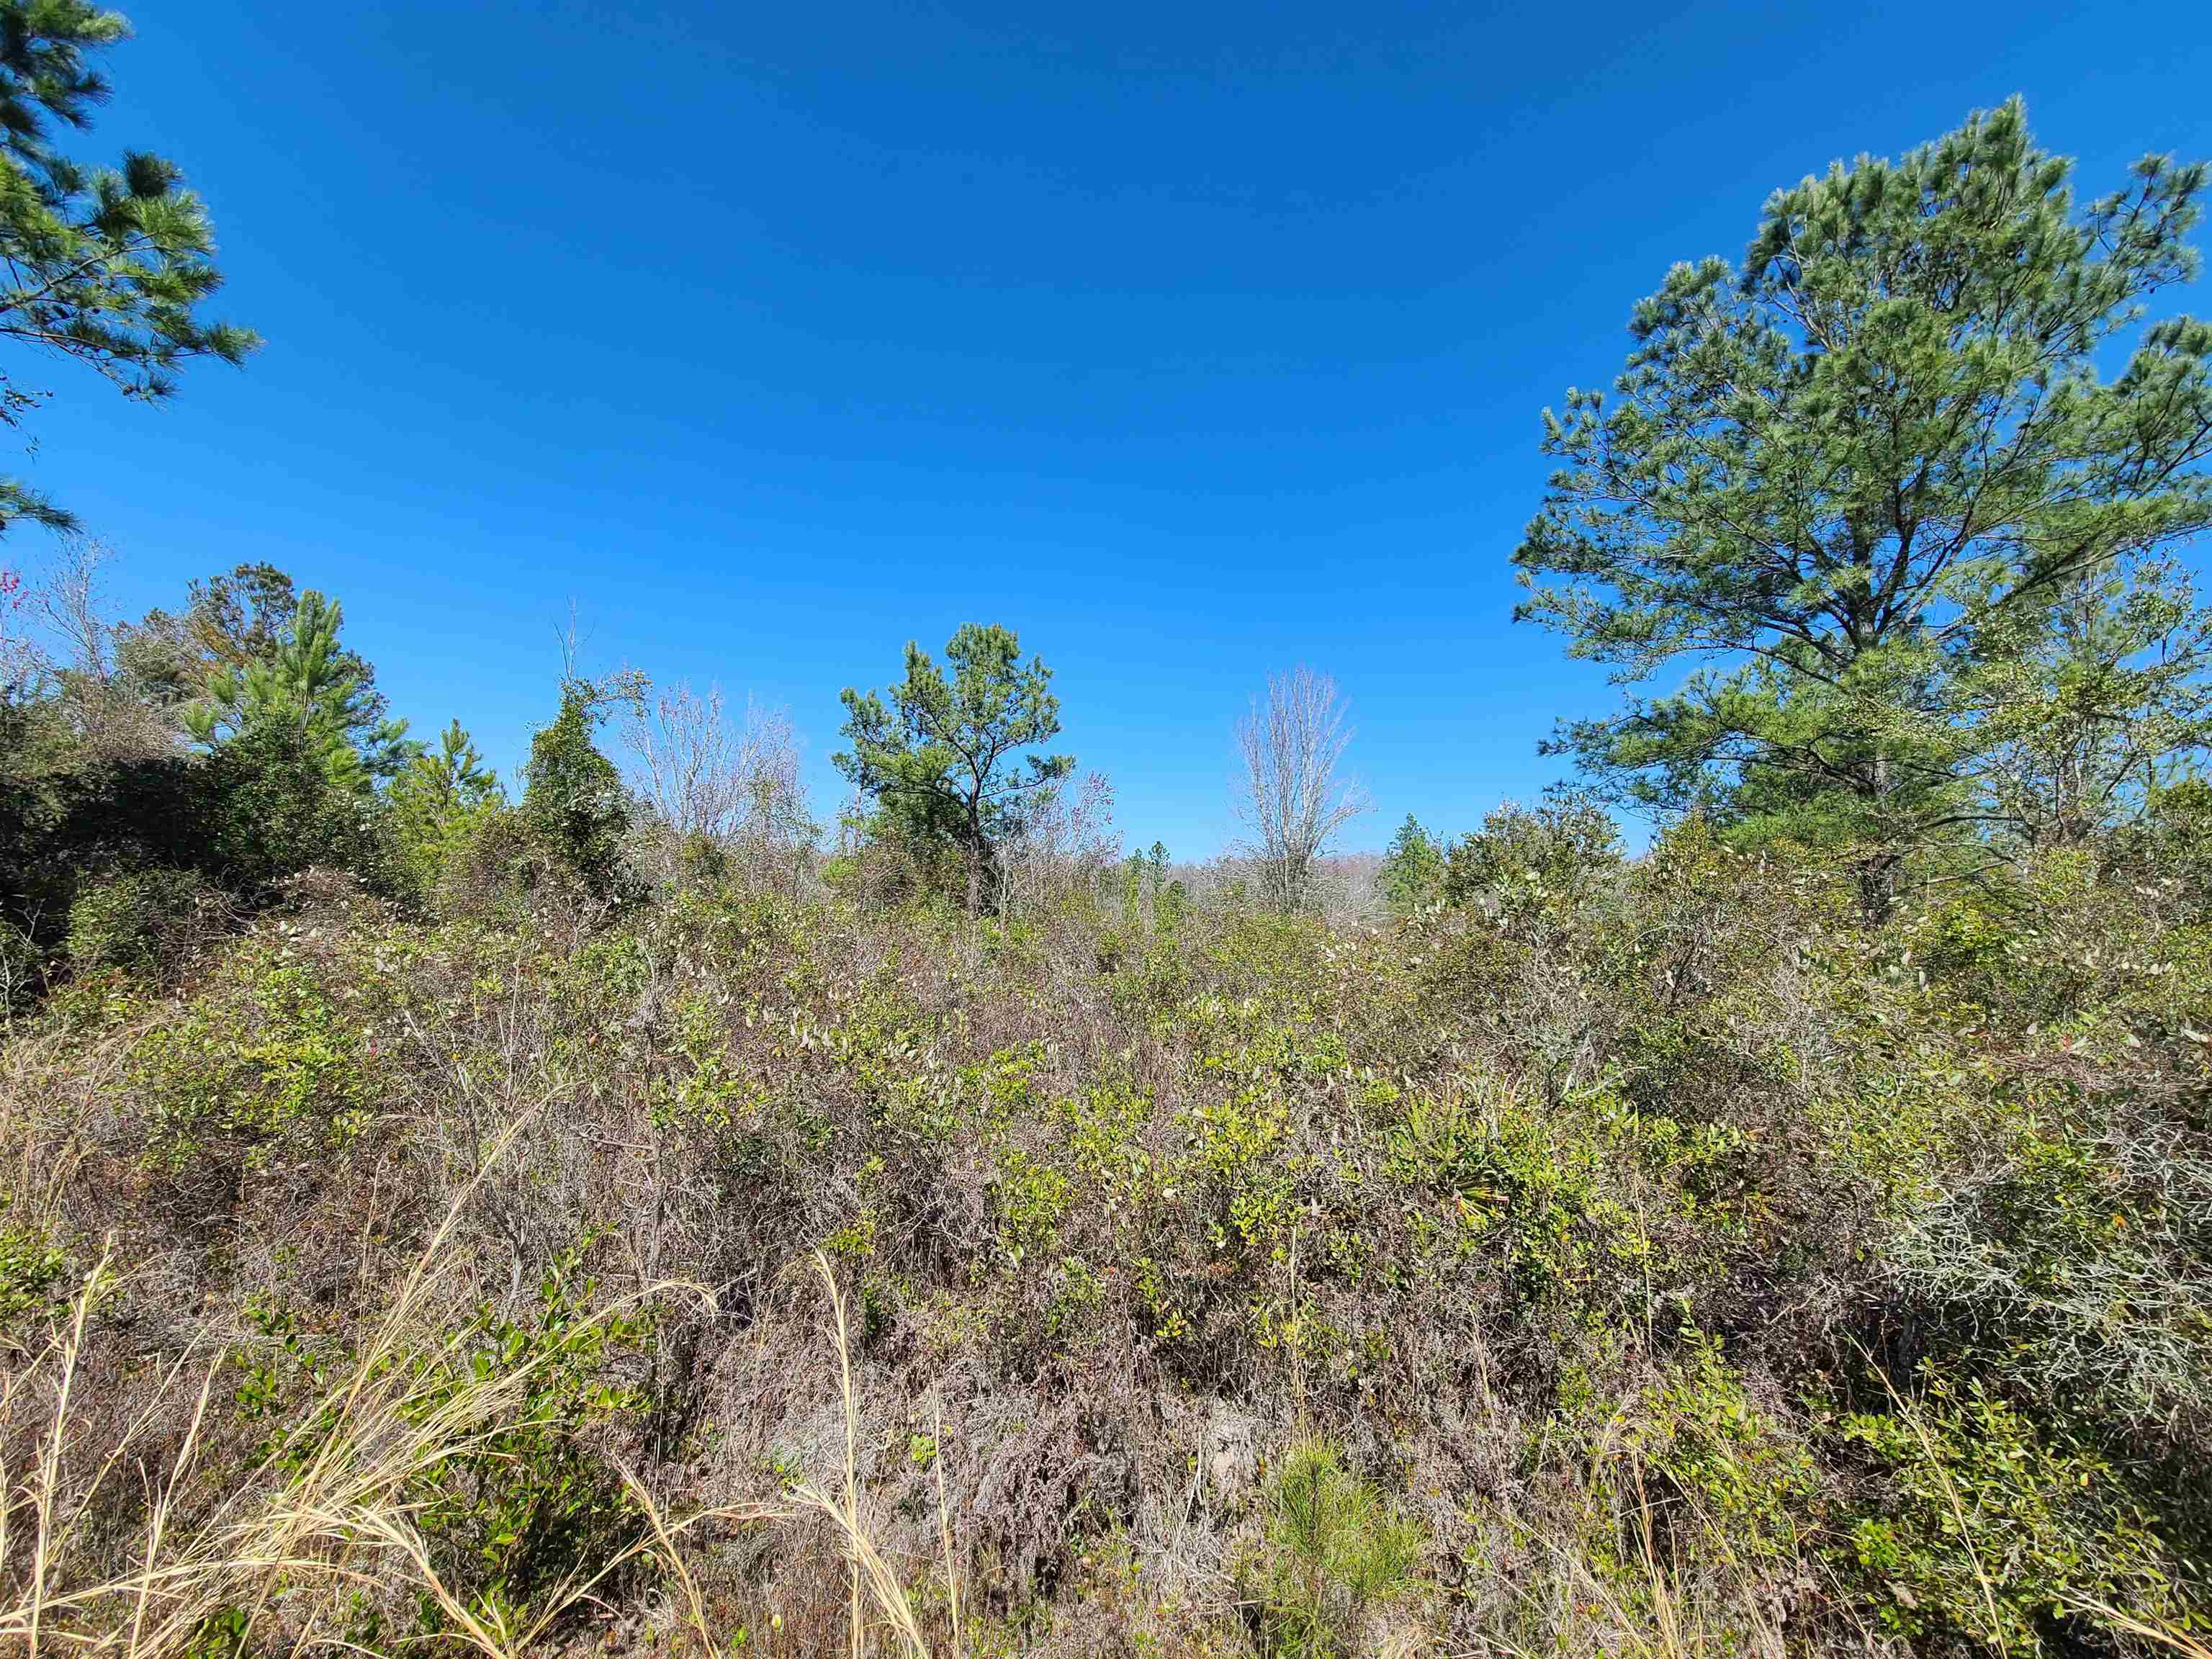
1661	1268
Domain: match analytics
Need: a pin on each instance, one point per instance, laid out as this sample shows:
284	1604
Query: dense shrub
1526	857
272	811
573	802
145	921
34	1271
257	809
2001	1535
1661	1261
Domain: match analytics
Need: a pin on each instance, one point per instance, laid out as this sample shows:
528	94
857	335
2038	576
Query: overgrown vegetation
607	1219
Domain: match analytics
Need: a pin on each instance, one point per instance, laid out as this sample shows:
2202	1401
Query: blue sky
1191	341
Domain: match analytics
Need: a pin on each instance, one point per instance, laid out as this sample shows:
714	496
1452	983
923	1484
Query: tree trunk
1878	874
1877	888
974	851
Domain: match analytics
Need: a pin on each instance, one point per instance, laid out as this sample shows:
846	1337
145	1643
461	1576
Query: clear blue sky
1192	341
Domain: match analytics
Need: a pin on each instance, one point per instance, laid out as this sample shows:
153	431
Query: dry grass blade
869	1568
944	1534
346	1514
329	1506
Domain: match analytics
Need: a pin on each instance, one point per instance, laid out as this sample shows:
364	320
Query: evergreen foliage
1533	856
143	921
437	800
2083	710
109	266
304	683
942	759
1412	876
1336	1548
272	806
1853	483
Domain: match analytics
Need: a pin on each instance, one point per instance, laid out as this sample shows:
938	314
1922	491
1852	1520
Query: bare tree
22	661
51	627
1293	799
734	785
1065	845
22	968
56	640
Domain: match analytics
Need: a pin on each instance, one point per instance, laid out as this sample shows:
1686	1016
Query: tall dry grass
335	1505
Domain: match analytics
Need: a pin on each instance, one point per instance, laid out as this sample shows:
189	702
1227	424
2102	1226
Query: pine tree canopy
942	757
450	778
1833	483
1412	874
110	265
436	799
305	682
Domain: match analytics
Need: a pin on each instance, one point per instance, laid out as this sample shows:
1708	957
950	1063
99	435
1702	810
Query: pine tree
1412	875
450	778
1828	480
233	619
941	759
241	616
108	266
306	682
436	798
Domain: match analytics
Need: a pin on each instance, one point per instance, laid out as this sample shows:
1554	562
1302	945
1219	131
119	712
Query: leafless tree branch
1294	799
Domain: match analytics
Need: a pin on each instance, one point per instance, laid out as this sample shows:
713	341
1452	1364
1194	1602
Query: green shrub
532	1503
1746	1488
511	1514
492	858
272	812
572	799
1995	1531
264	1055
436	801
258	808
32	1268
148	922
1524	860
